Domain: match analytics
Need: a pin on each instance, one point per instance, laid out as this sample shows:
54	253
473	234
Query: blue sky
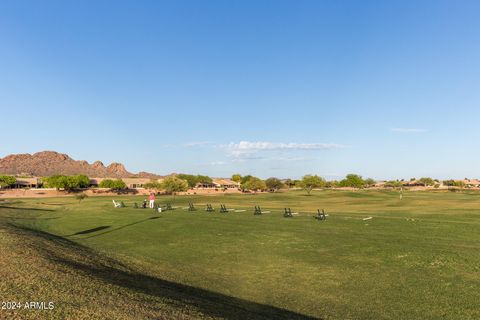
386	89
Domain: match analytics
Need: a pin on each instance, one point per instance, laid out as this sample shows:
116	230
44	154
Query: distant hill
48	163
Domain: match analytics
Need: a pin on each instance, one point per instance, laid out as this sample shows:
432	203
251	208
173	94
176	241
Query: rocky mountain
47	163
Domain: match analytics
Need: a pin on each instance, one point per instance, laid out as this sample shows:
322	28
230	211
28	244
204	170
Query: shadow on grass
92	230
86	261
111	230
21	208
89	231
17	214
29	218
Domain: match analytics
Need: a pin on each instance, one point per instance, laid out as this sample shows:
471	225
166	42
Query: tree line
307	183
183	182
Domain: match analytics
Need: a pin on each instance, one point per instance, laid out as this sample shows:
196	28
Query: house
27	183
132	183
218	183
413	183
135	183
205	185
471	183
380	184
226	184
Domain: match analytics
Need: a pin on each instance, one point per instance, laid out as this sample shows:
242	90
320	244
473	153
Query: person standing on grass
152	200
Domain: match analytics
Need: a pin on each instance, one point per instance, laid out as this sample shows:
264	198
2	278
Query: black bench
320	215
287	213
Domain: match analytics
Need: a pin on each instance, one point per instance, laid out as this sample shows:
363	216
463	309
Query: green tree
236	177
245	179
309	182
426	181
353	180
454	183
254	184
369	182
67	183
393	184
56	181
153	184
7	181
81	180
449	183
460	184
203	179
274	184
193	180
173	184
189	178
117	184
331	184
289	183
106	183
81	196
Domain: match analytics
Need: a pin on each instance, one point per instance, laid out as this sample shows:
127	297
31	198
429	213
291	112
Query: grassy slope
84	284
384	268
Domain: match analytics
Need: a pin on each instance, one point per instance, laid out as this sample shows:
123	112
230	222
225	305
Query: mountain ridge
47	163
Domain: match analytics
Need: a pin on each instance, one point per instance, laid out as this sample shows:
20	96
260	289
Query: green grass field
417	258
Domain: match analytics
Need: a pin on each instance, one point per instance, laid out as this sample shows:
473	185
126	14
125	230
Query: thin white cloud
247	148
197	144
290	159
217	163
408	130
246	156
